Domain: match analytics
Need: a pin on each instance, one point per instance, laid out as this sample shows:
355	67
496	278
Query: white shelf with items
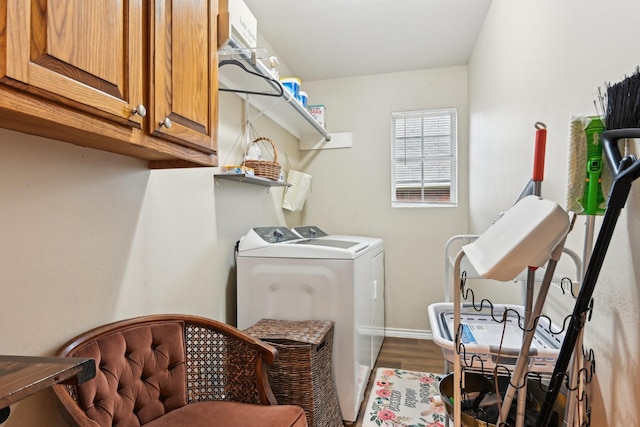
248	77
249	179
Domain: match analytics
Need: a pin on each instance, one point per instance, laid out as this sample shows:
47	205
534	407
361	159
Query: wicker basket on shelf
265	168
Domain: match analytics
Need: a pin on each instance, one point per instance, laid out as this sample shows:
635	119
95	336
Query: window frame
452	157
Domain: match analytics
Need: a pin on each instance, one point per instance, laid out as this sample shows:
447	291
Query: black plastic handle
611	148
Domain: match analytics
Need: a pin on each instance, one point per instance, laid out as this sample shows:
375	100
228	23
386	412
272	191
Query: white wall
543	61
351	190
90	237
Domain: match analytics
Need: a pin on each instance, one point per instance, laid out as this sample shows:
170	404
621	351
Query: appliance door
294	289
308	289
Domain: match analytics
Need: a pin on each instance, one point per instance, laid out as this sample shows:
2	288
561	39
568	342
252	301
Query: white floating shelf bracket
336	140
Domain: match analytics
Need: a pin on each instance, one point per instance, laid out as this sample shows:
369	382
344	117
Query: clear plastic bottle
273	63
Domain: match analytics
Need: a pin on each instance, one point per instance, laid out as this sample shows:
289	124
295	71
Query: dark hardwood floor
404	353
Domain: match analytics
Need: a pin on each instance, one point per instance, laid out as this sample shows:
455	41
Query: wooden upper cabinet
184	79
83	53
135	77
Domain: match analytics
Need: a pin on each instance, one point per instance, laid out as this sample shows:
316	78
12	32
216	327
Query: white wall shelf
255	84
248	179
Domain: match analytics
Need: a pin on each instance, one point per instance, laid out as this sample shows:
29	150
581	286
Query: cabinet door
184	72
84	53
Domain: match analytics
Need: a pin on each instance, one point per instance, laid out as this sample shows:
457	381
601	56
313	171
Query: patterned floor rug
402	398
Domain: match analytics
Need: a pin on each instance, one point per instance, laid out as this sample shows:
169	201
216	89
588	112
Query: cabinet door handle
139	110
166	123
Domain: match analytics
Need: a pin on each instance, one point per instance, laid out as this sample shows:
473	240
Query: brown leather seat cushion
231	414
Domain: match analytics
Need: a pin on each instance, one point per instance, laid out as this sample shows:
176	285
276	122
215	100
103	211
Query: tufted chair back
140	375
147	367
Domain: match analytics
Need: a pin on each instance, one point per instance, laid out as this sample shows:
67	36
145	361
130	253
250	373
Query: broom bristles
623	103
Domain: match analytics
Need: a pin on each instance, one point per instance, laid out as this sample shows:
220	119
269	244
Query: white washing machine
282	275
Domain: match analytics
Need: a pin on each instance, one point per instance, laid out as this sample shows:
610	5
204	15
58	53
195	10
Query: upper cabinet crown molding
103	75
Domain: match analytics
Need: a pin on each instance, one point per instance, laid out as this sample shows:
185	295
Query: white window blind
424	158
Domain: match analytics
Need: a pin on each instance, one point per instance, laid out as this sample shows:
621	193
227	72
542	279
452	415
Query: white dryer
282	275
374	257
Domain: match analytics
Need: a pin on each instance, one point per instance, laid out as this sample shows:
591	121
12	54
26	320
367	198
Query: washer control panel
276	234
309	231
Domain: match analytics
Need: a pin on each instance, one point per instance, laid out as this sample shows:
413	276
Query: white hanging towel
296	194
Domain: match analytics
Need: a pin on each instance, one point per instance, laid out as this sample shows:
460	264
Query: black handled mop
622	122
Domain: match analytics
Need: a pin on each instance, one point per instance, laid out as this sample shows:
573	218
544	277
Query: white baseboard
408	333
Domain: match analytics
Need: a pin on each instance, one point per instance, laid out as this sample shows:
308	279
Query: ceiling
328	39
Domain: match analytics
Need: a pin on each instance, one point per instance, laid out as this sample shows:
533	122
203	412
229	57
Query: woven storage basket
302	374
265	168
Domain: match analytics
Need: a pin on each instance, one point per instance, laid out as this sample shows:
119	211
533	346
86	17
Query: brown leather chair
173	371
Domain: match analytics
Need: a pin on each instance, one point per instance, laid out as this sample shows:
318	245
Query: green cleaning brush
592	197
589	176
